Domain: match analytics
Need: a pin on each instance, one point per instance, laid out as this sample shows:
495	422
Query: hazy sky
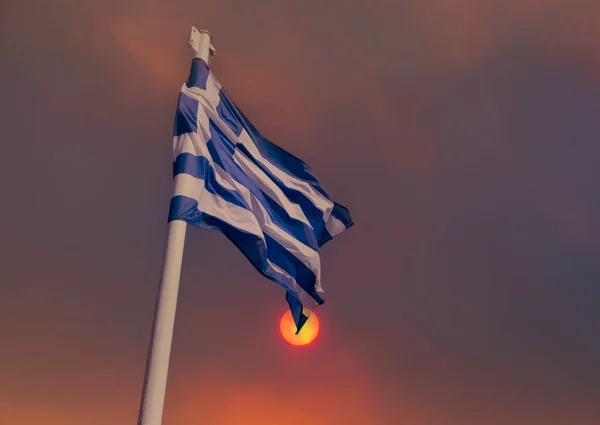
462	134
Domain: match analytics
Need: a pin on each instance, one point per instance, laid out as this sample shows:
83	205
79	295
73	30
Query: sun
307	334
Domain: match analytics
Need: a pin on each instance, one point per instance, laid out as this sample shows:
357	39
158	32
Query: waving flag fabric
231	179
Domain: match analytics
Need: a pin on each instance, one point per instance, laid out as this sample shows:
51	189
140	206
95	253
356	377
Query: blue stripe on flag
283	258
296	310
186	117
198	74
342	214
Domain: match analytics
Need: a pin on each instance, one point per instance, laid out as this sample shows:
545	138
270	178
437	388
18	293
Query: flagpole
159	352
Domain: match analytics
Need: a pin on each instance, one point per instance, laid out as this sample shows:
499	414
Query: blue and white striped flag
231	179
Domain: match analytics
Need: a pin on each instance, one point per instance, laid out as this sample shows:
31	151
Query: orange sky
462	134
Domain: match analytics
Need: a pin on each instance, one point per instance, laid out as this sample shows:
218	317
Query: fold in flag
231	179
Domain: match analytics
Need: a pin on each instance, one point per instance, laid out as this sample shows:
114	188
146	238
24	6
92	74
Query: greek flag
231	179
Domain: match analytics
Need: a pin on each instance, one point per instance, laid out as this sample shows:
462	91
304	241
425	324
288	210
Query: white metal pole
157	366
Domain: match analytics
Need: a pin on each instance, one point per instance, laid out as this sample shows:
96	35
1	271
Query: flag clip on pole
157	366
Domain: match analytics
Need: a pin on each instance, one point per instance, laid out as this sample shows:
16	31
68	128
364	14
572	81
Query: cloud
462	32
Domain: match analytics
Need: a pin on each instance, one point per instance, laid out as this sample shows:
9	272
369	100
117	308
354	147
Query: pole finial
200	42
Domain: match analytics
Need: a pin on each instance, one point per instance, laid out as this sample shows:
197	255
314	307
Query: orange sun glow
307	334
